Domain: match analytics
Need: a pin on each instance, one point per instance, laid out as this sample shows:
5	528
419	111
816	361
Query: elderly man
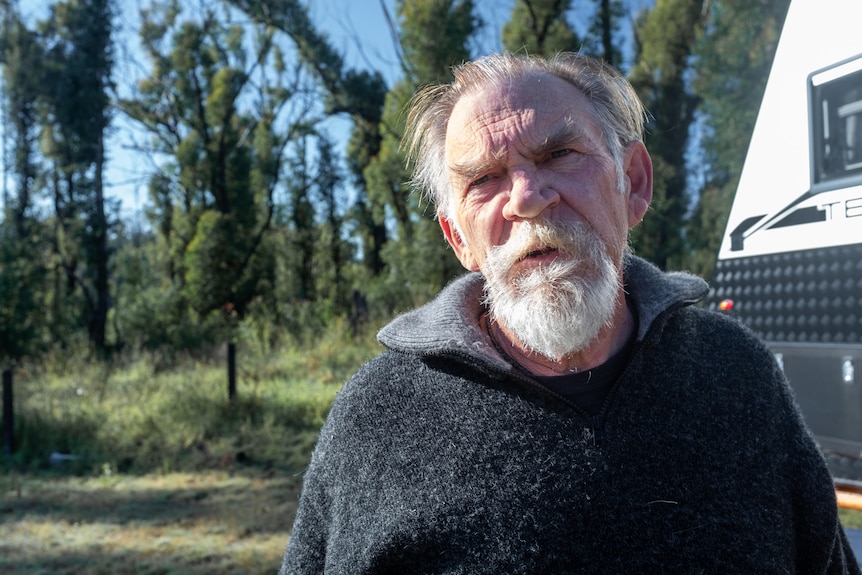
564	408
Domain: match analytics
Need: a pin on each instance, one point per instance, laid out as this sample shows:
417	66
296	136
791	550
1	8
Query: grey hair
618	110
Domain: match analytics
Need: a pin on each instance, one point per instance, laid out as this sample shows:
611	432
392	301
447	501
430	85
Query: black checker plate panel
804	296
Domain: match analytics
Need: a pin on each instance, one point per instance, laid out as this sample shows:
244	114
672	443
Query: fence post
231	371
8	414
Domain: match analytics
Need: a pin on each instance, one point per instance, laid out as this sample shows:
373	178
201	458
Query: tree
22	80
357	93
666	36
332	283
302	228
23	257
603	41
433	36
22	264
221	111
539	27
76	108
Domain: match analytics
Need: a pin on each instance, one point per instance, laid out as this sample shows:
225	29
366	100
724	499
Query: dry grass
851	518
215	522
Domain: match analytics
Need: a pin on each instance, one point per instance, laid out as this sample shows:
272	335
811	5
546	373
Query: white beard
558	309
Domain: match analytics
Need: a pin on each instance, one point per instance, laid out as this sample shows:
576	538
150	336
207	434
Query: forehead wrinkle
476	166
524	135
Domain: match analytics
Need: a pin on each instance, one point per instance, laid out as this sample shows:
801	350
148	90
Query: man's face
524	150
537	207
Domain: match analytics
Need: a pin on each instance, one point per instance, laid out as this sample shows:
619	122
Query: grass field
214	522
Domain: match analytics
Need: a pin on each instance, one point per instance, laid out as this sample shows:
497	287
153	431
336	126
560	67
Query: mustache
573	238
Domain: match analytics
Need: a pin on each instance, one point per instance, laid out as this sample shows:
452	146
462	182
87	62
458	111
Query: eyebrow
475	168
563	135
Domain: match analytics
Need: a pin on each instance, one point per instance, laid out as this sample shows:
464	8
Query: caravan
790	264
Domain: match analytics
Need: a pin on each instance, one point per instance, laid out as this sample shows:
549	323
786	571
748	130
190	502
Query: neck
610	340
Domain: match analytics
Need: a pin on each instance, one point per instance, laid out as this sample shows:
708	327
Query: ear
637	167
459	246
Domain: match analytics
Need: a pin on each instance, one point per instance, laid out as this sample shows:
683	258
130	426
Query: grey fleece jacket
437	457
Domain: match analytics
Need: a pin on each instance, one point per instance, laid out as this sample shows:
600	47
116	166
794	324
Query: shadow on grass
215	522
125	563
252	504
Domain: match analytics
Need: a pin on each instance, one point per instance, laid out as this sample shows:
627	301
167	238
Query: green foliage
386	175
23	278
539	27
666	38
24	257
705	227
58	78
422	267
603	40
23	73
159	319
358	93
219	246
434	37
216	234
850	518
79	63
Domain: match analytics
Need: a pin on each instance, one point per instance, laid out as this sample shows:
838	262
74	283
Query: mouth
539	253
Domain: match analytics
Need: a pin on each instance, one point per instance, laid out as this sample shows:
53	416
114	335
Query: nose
529	196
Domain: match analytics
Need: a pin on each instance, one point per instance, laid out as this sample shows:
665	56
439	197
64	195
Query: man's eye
480	181
559	153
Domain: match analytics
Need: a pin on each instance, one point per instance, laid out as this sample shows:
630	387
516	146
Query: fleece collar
449	324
